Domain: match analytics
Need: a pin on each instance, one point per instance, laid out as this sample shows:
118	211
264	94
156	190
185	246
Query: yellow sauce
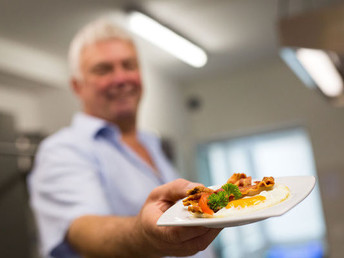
246	202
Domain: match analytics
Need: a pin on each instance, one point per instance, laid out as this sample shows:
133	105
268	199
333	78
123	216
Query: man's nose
120	76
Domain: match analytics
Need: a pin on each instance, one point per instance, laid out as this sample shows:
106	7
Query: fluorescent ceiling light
289	57
322	70
166	39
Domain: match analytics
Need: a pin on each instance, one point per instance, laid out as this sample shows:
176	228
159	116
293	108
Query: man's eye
130	65
102	69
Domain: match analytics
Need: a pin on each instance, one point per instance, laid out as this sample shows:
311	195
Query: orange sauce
246	202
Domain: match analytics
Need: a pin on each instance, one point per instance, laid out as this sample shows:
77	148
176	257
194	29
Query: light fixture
166	39
311	45
289	57
321	68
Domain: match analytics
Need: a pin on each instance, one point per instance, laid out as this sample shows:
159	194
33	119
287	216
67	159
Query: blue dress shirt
86	169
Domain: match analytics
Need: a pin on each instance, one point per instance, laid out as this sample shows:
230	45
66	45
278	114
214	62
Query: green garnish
220	199
217	201
232	189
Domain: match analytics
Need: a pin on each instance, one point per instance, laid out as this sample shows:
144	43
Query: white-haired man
99	186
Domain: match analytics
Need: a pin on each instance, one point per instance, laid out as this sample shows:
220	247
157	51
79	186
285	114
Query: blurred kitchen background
254	107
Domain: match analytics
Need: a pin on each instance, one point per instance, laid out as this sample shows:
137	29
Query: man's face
110	87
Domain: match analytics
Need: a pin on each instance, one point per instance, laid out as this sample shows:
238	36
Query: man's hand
139	236
176	241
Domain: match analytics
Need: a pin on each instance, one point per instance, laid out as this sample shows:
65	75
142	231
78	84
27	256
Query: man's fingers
194	245
172	191
175	235
201	242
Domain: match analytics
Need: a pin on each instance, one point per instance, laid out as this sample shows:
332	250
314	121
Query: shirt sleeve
64	185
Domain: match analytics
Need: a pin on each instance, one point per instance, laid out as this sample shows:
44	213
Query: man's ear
76	86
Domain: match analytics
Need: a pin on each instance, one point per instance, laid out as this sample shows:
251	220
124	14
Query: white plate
300	187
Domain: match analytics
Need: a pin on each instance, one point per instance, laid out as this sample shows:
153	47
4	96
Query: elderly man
99	186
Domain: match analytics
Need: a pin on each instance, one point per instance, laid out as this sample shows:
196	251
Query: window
298	233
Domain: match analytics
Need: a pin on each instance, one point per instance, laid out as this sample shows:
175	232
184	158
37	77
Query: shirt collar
92	126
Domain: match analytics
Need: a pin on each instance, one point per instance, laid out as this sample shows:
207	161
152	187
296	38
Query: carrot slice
203	204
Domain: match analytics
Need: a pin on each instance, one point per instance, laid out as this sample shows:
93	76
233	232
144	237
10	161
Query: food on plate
237	196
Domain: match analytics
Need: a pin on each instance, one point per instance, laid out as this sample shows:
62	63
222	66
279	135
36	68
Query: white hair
98	30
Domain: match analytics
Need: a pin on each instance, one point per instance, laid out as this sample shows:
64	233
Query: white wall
28	76
38	109
57	107
22	104
269	96
162	107
32	63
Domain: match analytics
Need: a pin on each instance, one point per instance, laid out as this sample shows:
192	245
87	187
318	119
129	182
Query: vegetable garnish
232	189
219	200
203	203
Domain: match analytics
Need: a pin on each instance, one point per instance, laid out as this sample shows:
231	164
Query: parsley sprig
232	189
218	200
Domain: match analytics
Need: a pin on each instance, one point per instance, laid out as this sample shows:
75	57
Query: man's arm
104	236
139	236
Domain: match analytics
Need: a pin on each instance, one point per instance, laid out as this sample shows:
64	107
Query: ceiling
235	33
